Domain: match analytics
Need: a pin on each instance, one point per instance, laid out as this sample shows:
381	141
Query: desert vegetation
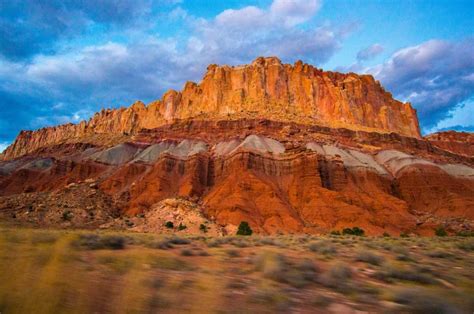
57	271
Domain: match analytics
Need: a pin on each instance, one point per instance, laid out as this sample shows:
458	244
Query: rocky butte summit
288	148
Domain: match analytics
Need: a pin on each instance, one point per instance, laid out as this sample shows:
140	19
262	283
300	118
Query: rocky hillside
290	149
456	142
264	89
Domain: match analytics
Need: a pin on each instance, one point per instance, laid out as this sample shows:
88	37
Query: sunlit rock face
266	88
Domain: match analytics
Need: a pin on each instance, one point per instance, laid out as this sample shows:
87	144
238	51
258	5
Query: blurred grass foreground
58	271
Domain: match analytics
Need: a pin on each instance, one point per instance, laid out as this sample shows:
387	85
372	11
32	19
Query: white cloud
370	52
3	146
433	75
293	12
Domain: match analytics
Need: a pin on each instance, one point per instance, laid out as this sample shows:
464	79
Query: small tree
353	231
358	231
169	225
440	232
203	228
181	227
67	215
244	229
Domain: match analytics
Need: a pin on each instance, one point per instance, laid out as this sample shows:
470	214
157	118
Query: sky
63	60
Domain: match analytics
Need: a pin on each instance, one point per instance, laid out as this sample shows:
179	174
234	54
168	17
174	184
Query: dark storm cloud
28	27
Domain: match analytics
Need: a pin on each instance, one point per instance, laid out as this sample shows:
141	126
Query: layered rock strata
265	88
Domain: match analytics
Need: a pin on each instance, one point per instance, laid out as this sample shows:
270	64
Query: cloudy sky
62	60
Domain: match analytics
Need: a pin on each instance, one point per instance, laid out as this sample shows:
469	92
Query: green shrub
465	233
335	232
386	235
169	225
67	215
244	229
404	235
181	227
203	228
440	232
353	231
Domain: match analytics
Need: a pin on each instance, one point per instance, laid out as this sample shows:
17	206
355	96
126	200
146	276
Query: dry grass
49	271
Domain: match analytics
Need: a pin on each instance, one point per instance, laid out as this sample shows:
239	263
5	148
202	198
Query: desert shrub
439	254
178	241
440	232
307	269
421	301
390	272
202	253
240	243
404	257
214	243
118	264
244	229
203	228
466	245
169	225
386	235
369	257
162	245
353	231
169	263
404	235
266	241
113	242
237	283
187	252
323	247
232	253
278	268
279	302
335	233
272	265
321	301
181	227
44	238
337	277
465	233
96	242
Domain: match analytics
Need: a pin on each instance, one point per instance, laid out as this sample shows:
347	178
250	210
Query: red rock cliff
265	88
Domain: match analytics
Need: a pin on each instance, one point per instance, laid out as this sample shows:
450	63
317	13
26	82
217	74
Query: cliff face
456	142
266	88
278	176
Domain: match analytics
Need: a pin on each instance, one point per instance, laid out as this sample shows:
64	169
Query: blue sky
63	60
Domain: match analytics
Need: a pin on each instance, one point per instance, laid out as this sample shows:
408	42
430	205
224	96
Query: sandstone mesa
289	148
